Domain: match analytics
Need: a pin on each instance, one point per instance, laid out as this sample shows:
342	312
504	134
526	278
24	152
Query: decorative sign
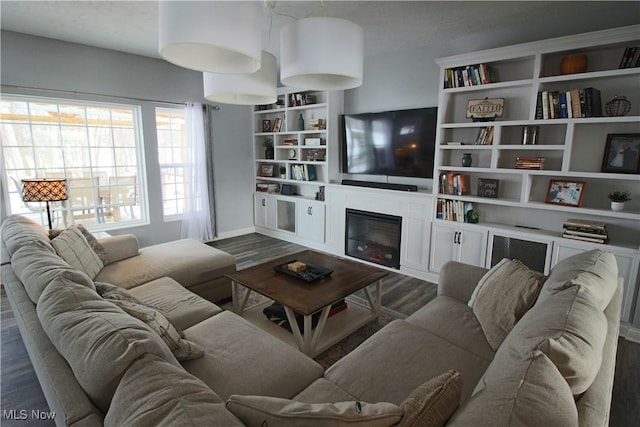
482	110
488	187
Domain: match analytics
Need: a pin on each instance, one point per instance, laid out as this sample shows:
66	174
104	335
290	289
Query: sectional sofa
504	346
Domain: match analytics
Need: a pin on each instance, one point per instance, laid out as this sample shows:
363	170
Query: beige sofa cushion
36	265
187	261
400	348
18	231
596	272
98	340
259	411
120	247
506	292
154	392
530	393
91	240
73	247
240	358
323	390
181	306
432	403
556	327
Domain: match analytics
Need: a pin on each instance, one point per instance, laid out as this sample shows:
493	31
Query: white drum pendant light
214	36
322	54
258	88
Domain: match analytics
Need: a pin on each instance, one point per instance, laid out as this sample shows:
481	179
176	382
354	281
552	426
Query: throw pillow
485	279
93	242
73	247
432	403
272	411
507	293
181	348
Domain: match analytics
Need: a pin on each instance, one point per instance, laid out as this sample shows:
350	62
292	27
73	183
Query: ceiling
132	26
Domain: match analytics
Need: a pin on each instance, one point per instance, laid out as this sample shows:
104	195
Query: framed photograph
267	170
622	153
488	187
567	193
266	126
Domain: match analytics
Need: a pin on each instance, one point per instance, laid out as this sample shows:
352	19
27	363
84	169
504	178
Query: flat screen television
394	143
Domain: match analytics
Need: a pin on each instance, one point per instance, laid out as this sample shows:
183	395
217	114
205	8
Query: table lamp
44	190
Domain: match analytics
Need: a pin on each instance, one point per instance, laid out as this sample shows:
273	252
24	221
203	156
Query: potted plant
618	198
473	217
283	171
268	148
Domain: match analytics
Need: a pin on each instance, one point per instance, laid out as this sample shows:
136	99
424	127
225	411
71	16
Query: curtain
197	220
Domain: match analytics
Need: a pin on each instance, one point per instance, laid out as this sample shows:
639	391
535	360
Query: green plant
268	142
283	170
619	196
473	217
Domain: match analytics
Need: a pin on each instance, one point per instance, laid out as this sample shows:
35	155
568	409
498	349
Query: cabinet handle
264	202
310	210
455	237
459	237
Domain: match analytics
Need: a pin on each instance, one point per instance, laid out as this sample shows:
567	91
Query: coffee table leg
238	298
375	303
307	339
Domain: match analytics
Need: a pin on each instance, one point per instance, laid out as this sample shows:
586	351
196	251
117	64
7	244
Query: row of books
574	103
454	183
267	187
470	75
278	124
630	58
531	163
298	99
453	210
588	231
484	136
304	173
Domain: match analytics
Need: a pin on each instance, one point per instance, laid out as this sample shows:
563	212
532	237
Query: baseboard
235	233
630	333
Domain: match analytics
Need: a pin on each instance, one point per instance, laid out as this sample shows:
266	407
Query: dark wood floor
19	386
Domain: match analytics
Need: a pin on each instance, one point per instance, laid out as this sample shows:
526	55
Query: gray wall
35	62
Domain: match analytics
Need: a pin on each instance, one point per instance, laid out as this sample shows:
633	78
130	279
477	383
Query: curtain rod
76	93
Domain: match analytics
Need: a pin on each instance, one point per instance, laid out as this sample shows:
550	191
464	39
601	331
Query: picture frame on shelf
488	187
266	170
565	193
622	153
266	126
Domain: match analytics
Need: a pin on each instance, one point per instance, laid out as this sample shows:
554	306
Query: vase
269	153
467	160
574	63
617	206
301	122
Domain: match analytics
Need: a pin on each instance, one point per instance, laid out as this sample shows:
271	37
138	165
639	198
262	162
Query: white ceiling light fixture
322	54
213	36
258	88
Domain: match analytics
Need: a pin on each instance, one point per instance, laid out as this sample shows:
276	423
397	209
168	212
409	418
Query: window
96	147
174	168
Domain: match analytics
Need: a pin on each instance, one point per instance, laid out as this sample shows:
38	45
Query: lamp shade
214	36
44	190
322	54
258	88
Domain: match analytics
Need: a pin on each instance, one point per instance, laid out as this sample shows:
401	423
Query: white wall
35	62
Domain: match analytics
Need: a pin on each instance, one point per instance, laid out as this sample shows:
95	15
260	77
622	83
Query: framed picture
267	170
567	193
266	126
488	187
622	153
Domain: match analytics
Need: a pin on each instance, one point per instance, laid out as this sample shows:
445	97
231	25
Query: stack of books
454	183
267	187
485	136
589	231
531	163
317	124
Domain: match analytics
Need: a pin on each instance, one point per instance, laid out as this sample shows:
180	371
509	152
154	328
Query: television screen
395	143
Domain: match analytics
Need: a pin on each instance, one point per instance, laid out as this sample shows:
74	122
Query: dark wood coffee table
308	298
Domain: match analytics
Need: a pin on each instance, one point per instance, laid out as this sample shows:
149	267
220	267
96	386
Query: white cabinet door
627	269
415	249
472	243
443	246
264	211
311	220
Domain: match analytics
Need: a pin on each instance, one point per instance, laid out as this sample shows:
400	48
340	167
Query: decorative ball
618	106
574	63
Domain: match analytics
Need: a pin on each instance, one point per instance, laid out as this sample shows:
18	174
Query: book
586	239
575	103
593	102
586	224
586	234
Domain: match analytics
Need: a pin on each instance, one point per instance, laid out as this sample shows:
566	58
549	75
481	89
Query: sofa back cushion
37	266
98	340
74	248
154	392
18	231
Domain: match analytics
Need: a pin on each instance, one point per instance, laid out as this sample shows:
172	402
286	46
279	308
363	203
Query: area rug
348	344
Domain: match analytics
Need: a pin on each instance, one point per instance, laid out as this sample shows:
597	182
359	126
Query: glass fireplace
373	237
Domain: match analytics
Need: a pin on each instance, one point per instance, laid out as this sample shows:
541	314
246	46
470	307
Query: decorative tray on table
311	273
